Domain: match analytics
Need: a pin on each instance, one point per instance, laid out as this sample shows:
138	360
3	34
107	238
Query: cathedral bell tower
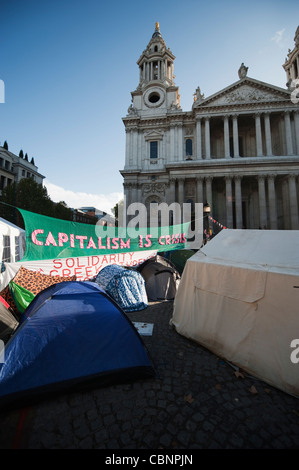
156	92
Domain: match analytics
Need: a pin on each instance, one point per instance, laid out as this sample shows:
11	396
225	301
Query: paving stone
180	409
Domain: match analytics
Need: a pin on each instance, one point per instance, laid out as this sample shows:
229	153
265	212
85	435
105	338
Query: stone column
236	136
258	135
134	148
272	202
229	201
124	220
139	192
296	119
134	197
262	201
293	202
198	138
226	137
288	130
128	146
181	190
207	138
268	134
199	189
148	71
180	142
209	194
172	130
171	191
238	200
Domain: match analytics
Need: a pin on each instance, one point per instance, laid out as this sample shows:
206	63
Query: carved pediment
247	91
153	135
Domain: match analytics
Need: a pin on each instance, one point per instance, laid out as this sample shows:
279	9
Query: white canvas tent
12	242
239	297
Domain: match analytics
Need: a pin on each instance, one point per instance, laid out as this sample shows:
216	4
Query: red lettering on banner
72	240
91	244
54	273
100	246
160	240
66	272
62	238
78	263
115	243
97	260
50	240
125	244
81	238
88	271
148	241
34	239
58	262
70	262
77	271
167	240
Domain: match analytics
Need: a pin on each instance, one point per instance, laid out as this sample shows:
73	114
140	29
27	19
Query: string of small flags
217	223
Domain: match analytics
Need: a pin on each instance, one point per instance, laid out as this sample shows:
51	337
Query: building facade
13	168
237	150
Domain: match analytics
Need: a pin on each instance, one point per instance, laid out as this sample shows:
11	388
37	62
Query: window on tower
154	149
155	70
189	151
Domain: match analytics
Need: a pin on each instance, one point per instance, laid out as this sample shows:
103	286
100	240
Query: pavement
197	401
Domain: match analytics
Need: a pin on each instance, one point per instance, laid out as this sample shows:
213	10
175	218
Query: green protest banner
49	238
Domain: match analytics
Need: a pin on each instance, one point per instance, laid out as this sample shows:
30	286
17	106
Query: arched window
189	151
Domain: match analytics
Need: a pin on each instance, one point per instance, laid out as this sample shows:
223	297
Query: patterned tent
126	287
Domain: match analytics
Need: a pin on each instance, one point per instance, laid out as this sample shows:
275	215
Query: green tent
179	258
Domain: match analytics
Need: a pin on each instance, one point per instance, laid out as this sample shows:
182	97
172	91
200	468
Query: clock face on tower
154	97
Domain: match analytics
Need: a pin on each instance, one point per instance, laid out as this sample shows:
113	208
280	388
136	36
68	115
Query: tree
117	211
29	195
21	154
5	145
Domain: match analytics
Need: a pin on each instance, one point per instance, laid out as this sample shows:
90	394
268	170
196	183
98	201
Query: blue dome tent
126	286
71	334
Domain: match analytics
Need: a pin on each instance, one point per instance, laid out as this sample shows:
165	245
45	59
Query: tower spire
156	61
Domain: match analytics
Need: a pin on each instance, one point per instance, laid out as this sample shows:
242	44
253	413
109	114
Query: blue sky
69	67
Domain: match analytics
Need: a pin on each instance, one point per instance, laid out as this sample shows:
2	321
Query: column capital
271	176
238	177
199	179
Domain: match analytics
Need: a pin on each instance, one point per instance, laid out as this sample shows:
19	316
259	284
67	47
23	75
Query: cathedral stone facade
237	150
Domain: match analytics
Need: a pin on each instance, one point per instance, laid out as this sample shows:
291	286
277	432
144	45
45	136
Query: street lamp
206	211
